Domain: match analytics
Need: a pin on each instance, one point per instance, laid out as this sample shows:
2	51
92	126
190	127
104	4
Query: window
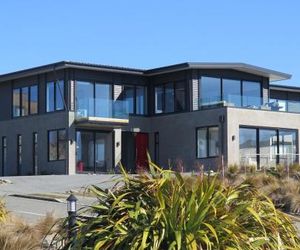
103	94
35	153
170	97
4	155
232	91
210	90
251	94
25	101
159	97
248	146
55	96
140	100
207	142
19	154
267	147
56	145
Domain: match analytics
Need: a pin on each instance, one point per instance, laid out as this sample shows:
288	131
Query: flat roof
242	67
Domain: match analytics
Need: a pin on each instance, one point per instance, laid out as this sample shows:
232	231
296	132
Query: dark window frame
55	83
57	144
221	78
21	101
207	141
277	130
4	154
175	109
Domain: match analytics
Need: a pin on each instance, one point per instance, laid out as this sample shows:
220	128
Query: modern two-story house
69	117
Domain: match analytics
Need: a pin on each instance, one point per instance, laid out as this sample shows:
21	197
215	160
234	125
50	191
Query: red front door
141	147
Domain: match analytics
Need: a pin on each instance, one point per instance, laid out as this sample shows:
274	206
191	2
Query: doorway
92	151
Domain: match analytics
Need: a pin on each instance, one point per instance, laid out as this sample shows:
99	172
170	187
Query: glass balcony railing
102	108
250	102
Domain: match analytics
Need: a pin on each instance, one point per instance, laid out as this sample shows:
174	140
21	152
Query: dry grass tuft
16	234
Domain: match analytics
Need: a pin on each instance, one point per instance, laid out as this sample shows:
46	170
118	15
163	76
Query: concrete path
33	209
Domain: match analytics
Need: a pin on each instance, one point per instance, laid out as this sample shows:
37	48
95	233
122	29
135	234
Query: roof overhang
242	67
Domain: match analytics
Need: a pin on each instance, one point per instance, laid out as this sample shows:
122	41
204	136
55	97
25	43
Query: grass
16	234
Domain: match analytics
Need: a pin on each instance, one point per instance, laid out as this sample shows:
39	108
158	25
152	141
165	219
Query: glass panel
85	151
287	146
248	143
251	94
210	90
213	141
169	97
84	99
33	100
16	102
103	93
61	144
100	144
159	95
52	146
140	100
128	98
232	91
60	93
267	147
50	96
293	106
180	96
25	101
202	143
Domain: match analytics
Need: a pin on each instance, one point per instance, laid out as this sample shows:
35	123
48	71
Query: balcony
250	102
102	113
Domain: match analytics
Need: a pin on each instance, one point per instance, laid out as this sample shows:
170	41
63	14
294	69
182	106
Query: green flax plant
162	209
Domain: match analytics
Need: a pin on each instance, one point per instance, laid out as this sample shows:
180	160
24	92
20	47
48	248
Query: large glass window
16	102
169	97
267	147
232	91
103	93
248	146
159	97
251	94
128	93
207	142
57	145
34	99
210	90
180	96
140	100
287	146
25	101
55	96
85	98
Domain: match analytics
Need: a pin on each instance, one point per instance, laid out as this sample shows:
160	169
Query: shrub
165	210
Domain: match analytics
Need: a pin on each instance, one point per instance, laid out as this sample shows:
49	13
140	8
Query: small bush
165	210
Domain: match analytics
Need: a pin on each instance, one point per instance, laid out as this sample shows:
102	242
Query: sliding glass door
91	147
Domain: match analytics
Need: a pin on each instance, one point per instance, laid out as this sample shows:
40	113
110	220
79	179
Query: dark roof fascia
284	88
65	64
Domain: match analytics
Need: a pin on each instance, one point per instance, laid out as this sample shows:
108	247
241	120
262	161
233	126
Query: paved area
33	209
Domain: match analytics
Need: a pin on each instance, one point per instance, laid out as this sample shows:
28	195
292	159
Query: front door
91	151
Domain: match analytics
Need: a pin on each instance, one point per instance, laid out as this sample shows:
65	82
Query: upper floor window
237	92
108	100
55	96
25	101
170	97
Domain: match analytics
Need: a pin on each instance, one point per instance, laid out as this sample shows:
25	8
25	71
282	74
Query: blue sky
145	34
